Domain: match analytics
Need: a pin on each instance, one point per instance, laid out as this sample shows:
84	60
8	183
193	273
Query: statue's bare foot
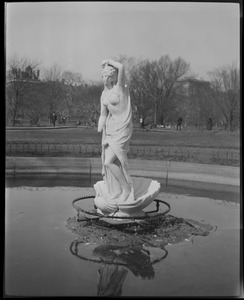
124	195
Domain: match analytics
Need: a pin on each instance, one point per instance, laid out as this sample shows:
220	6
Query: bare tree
226	93
129	63
157	84
142	103
20	71
89	108
70	82
169	72
52	77
34	102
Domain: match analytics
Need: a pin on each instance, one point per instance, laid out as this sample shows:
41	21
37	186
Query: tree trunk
14	117
155	112
155	109
231	121
198	119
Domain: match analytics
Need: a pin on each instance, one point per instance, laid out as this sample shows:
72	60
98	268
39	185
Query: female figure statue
115	122
118	194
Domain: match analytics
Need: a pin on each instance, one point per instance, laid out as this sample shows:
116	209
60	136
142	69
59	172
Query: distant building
193	86
74	79
193	81
25	75
193	100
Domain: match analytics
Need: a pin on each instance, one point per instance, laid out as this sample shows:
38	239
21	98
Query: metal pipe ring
117	217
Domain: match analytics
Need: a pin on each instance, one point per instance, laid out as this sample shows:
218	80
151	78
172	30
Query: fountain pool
43	257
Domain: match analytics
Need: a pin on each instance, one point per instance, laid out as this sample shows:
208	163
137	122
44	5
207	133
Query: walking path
195	172
40	127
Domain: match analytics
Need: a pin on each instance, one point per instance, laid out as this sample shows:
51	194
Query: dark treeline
161	91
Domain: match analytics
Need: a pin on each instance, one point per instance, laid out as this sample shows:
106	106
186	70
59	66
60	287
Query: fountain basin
37	240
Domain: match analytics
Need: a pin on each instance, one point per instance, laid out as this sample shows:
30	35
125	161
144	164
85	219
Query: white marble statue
117	190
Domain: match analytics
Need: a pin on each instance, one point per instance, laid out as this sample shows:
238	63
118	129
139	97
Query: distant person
141	122
210	123
54	118
179	122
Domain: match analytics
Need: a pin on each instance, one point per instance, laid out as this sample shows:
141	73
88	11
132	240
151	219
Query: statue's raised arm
120	71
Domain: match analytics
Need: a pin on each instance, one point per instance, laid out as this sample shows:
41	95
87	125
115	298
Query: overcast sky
79	35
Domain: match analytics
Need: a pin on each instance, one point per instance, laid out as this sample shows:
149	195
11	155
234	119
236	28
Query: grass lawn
164	138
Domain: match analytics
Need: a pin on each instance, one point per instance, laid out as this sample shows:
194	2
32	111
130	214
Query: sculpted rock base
144	192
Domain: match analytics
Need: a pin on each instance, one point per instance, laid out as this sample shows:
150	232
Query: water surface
39	261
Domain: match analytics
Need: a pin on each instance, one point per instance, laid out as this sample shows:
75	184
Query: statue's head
109	75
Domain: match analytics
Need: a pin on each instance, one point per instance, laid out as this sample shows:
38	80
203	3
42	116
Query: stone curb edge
149	168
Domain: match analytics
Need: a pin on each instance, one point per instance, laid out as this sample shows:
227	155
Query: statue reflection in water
115	263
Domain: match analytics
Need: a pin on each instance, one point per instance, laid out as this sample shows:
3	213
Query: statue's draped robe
116	135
